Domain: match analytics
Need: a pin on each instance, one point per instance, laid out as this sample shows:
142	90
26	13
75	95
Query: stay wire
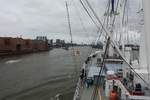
115	14
90	18
80	18
90	49
124	12
99	29
108	13
105	17
89	14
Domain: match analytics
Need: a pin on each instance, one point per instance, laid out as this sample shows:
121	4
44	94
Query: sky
31	18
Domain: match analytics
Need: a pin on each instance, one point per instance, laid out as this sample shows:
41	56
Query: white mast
146	6
142	58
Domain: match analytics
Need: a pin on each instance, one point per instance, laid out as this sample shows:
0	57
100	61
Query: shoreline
12	54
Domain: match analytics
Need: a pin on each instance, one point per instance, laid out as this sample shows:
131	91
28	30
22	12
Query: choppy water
40	76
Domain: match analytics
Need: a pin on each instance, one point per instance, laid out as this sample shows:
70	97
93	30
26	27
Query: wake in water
62	81
12	61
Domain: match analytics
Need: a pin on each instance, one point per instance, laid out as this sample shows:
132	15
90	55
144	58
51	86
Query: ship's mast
142	57
69	25
146	5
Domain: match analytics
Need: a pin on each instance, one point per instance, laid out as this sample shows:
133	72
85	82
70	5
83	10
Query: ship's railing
77	94
127	95
77	91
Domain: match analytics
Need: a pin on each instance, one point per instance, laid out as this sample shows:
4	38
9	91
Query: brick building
9	44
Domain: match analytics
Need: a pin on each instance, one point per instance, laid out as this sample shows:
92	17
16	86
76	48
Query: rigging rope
105	17
80	18
99	29
124	12
89	14
115	14
82	24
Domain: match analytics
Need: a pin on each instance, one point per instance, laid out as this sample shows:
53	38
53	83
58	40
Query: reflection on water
41	76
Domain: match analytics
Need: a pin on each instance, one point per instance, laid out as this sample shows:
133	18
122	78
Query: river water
41	76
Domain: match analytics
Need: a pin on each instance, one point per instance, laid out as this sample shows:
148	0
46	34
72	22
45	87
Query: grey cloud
48	17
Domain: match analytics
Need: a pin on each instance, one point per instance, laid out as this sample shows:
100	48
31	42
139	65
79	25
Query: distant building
60	43
50	42
39	45
43	38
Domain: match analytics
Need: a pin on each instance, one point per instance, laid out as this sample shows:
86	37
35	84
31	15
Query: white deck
88	92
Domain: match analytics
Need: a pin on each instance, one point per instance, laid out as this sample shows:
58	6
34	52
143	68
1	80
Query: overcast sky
31	18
